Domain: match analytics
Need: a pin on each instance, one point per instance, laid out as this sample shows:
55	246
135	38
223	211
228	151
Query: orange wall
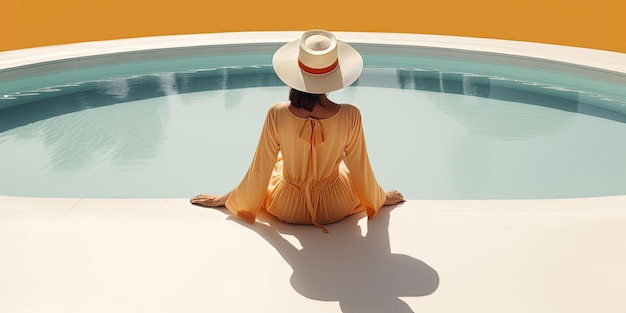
599	24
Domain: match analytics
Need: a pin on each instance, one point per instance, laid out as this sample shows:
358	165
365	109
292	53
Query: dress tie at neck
312	132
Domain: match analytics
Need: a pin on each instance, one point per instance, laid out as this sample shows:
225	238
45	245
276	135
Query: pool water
431	134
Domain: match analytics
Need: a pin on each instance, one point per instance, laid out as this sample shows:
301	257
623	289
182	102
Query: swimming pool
466	125
162	254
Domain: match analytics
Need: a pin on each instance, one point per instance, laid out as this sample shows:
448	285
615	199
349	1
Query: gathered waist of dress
311	189
312	184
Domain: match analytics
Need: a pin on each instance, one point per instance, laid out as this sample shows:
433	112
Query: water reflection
84	138
506	90
420	80
137	132
168	84
118	88
245	77
85	95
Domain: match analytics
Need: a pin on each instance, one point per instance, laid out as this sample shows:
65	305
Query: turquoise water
176	129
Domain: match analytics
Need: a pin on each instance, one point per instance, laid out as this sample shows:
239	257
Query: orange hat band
318	71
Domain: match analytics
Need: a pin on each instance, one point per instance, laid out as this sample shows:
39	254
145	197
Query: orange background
599	24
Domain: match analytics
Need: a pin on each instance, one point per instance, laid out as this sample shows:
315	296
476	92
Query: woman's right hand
208	200
393	197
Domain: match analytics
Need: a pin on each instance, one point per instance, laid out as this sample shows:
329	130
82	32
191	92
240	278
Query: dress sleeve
372	196
247	198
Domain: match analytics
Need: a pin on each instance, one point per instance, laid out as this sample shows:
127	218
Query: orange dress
309	171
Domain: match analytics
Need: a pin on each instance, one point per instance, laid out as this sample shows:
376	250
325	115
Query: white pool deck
165	255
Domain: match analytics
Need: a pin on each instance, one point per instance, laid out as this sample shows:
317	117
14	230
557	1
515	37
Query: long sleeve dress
309	171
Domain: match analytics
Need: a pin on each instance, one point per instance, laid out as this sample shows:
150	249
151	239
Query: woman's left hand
208	200
393	197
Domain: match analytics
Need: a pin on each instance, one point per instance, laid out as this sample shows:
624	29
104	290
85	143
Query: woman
311	164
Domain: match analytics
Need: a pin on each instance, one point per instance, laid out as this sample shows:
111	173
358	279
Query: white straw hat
317	63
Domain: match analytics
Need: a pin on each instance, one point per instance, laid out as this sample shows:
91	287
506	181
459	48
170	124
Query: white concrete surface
165	255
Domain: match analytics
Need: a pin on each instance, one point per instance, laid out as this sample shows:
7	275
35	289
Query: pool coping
592	58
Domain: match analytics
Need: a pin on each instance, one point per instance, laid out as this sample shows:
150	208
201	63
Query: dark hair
305	100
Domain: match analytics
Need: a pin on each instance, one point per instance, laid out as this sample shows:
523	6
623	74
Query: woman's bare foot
209	200
393	197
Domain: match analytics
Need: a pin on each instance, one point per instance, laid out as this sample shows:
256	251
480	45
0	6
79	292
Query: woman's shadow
358	271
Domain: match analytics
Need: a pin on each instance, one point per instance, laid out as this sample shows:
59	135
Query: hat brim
285	63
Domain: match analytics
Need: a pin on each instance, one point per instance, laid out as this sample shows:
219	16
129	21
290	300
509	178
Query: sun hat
317	63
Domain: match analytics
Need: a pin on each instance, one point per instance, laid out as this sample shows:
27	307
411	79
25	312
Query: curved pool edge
592	58
587	205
